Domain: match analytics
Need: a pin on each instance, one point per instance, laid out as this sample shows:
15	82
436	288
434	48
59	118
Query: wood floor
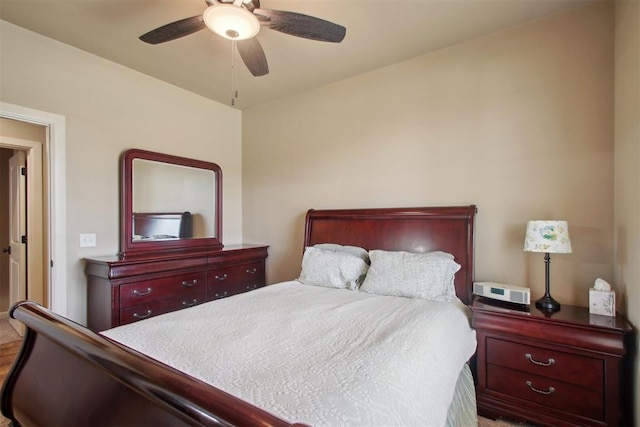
8	353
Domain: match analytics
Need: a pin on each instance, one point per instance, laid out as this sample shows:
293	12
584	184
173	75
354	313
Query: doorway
52	229
23	221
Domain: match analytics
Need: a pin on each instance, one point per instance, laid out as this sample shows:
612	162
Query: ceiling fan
240	20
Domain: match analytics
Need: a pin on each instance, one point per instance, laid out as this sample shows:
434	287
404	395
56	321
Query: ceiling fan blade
299	25
253	56
174	30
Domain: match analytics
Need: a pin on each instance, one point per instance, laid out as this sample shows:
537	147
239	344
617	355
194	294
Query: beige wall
21	130
108	109
519	122
627	164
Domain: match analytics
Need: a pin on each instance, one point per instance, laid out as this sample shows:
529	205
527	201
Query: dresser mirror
169	203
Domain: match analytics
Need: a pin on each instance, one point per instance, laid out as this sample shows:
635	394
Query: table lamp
548	237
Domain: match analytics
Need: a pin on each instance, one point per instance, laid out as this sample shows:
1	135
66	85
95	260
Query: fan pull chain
234	72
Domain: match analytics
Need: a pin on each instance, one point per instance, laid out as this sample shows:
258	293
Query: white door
17	221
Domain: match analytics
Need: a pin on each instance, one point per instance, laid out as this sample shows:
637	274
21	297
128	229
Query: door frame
54	158
36	218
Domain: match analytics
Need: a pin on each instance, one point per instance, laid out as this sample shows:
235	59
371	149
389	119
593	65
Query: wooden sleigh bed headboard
448	229
66	374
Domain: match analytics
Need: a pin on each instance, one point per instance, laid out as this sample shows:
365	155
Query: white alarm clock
502	292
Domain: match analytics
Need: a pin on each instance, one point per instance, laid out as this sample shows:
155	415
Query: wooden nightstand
564	369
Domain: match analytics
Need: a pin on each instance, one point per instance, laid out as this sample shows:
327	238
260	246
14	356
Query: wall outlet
88	240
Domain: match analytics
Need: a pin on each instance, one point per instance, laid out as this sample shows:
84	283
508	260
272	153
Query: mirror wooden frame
129	247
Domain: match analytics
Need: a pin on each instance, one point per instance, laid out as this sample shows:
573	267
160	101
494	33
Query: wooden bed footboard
65	375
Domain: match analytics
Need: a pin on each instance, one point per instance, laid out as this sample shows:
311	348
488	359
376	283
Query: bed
99	379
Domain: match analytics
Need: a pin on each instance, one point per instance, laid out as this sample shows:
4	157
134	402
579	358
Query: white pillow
332	269
353	250
428	275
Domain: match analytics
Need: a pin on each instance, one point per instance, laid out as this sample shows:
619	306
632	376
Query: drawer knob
222	295
224	276
252	270
189	284
535	362
142	316
189	304
143	293
530	384
250	287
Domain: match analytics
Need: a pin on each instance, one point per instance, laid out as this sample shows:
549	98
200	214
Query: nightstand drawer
546	391
566	367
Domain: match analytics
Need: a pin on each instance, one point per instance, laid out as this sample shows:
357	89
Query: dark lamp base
547	303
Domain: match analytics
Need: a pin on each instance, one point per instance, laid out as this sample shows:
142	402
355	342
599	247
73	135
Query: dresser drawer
223	290
546	391
137	293
223	282
566	367
156	307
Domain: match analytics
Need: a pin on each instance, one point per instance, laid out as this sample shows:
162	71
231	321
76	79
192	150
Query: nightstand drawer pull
532	360
252	270
224	276
141	294
189	304
551	389
222	295
142	316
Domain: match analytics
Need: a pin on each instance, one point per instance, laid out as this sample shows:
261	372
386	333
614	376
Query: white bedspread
322	356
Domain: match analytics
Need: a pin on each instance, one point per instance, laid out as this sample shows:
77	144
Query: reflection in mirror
169	204
173	199
162	226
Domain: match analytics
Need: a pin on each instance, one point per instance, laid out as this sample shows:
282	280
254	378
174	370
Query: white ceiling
379	33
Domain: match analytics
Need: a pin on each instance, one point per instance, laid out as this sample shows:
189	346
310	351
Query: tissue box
602	302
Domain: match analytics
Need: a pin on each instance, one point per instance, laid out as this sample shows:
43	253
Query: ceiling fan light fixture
231	22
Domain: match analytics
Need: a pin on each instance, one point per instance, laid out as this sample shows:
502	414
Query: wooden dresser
563	370
124	290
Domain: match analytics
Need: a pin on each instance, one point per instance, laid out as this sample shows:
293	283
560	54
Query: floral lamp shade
547	236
